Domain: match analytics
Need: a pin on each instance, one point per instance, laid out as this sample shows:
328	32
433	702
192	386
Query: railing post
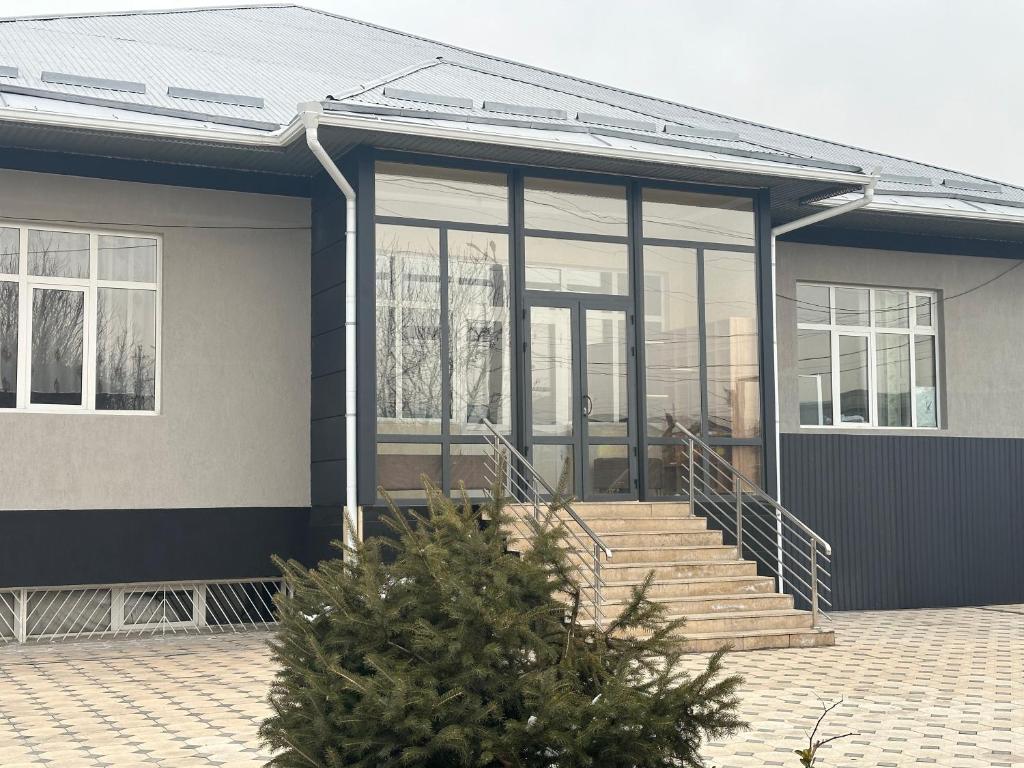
738	491
692	465
597	586
814	582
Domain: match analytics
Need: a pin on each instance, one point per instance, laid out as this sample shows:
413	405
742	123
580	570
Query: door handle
588	405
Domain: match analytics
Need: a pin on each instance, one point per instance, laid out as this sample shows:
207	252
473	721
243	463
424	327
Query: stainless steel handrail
750	506
537	476
527	485
761	494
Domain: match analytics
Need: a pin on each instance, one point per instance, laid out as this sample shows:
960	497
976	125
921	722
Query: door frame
578	304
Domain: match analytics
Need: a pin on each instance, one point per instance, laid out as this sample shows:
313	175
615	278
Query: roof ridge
146	12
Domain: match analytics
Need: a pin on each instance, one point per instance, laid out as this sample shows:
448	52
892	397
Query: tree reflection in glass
408	330
125	350
57	343
478	327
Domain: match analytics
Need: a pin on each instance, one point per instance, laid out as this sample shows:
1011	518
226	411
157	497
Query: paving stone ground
940	687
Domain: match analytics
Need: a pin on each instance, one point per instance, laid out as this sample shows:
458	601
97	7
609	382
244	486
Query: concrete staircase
697	577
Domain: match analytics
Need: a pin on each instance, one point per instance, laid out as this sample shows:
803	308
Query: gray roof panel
290	54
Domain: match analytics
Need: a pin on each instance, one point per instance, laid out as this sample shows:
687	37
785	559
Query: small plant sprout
809	756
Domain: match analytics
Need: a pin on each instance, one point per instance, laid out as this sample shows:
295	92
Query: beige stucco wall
233	429
981	369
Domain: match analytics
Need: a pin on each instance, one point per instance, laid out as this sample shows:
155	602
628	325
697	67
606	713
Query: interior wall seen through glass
733	372
672	340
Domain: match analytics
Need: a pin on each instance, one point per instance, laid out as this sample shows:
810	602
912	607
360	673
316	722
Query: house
258	261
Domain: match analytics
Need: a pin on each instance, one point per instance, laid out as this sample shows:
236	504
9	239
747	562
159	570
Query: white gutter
806	221
439	130
310	114
247	137
782	229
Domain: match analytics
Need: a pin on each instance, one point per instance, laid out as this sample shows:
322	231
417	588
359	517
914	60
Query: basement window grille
121	610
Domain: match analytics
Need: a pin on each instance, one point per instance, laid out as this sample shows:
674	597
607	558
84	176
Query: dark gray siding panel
43	547
914	521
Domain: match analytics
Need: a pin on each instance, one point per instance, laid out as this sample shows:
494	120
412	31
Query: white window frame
90	286
871	331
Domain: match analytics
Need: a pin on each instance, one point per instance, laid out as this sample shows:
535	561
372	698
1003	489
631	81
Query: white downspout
814	218
310	113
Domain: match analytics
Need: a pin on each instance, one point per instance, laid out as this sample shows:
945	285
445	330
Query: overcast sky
940	81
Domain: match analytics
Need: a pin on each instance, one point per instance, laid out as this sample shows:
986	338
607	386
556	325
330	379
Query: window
867	356
700	329
443	330
79	320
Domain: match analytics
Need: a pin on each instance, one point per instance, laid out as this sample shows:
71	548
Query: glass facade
443	328
630	332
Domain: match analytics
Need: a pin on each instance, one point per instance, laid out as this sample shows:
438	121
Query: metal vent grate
616	122
428	98
62	78
215	97
72	613
524	109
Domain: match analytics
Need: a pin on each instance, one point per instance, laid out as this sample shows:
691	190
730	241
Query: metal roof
280	55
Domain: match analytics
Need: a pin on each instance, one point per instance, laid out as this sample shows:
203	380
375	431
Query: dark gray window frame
366	351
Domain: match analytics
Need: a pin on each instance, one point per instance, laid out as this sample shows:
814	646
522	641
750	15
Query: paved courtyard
944	687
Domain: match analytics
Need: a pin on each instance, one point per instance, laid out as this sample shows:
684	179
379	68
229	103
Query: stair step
695	587
686	554
642	538
615	573
759	640
743	621
593	510
726	604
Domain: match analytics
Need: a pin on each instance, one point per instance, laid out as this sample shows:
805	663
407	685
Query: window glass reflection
815	377
576	266
470	469
10	248
58	254
812	304
401	467
925	390
674	215
733	374
672	340
607	384
478	326
892	309
852	306
551	370
58	318
408	330
441	194
126	258
571	206
892	376
608	472
854	401
125	350
923	311
554	463
8	344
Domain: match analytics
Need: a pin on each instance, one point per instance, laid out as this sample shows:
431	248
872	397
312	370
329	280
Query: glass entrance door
581	417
